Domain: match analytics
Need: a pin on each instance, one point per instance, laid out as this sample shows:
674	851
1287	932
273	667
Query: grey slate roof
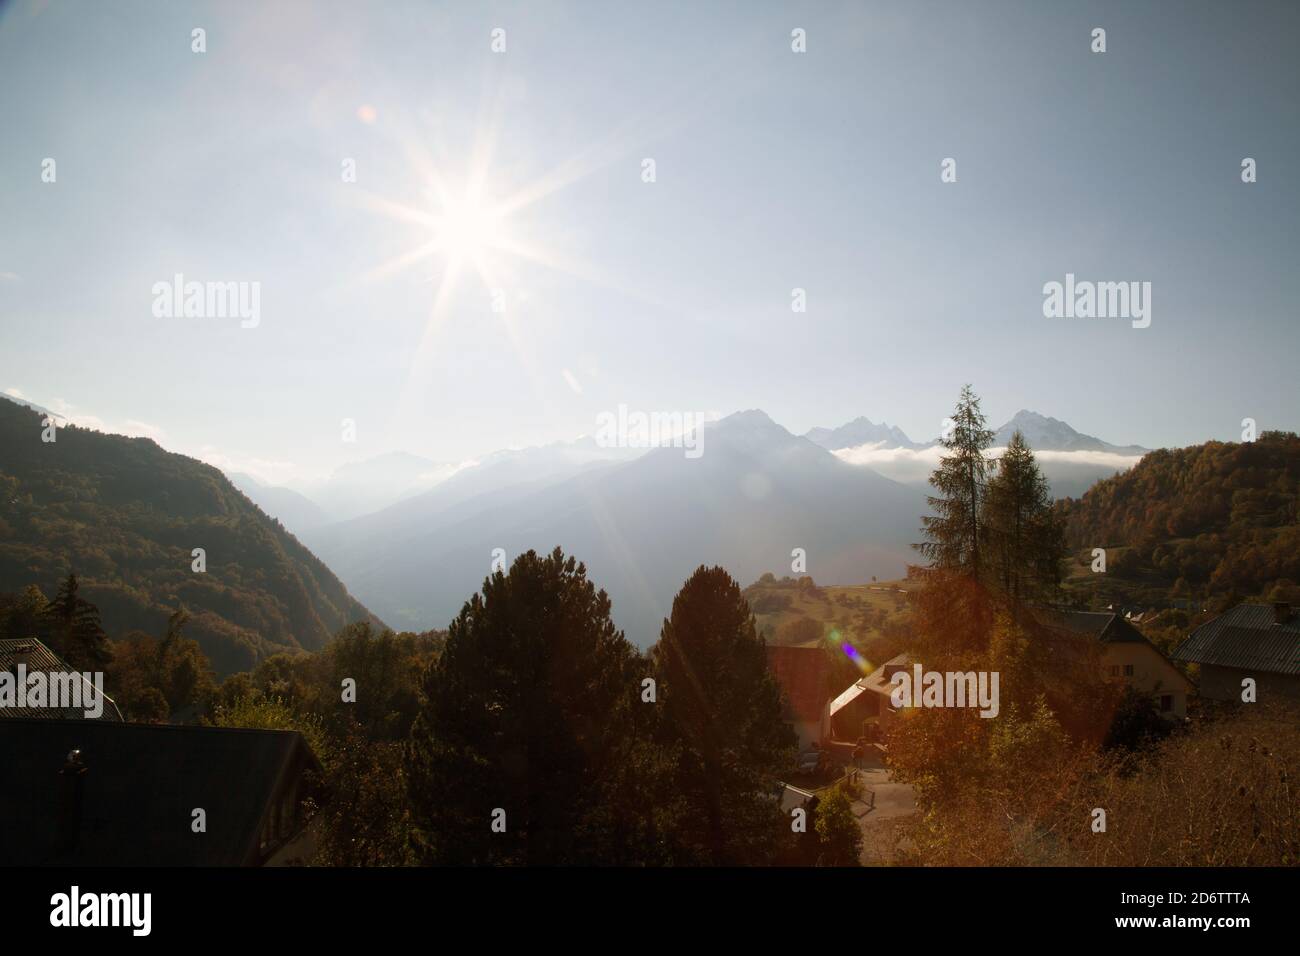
37	657
1248	638
1106	626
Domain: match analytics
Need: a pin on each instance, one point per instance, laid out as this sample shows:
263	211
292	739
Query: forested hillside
124	515
1210	522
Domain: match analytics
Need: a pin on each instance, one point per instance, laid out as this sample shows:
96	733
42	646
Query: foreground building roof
139	787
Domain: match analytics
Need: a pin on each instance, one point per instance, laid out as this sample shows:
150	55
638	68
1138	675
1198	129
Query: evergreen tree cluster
993	522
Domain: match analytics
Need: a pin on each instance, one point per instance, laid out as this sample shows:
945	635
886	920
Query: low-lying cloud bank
913	466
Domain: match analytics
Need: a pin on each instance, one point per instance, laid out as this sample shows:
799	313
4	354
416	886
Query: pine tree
722	715
954	540
1025	543
75	628
529	711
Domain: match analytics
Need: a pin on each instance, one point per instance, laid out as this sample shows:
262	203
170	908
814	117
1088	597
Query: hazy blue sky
775	170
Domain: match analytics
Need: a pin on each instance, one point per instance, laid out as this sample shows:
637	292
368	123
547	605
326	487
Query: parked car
810	760
816	763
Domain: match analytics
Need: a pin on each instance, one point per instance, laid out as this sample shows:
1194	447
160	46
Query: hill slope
1210	521
124	515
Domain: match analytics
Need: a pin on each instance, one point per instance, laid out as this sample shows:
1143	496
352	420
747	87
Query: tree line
531	709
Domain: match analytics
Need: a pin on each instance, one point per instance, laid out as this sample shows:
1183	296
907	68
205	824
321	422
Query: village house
864	709
1127	657
102	793
1251	640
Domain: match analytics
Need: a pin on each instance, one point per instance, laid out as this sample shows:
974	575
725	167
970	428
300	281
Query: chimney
22	654
72	785
1281	612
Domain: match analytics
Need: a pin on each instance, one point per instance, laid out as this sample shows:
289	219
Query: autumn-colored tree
145	670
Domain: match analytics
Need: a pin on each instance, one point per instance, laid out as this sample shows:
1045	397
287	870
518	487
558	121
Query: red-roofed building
801	672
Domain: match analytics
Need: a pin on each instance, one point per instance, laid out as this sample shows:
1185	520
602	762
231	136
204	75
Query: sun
469	228
477	236
455	230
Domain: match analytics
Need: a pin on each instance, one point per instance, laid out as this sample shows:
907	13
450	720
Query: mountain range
1071	461
641	526
643	520
413	538
1042	434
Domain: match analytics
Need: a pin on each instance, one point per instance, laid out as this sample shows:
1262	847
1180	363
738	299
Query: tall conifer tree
954	541
722	716
75	628
1025	544
524	728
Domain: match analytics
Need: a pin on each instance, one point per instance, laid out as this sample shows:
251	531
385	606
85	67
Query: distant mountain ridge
489	482
363	488
755	495
1071	461
1051	434
1041	432
125	516
860	431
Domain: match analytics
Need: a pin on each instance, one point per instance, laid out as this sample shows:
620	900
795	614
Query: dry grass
1221	794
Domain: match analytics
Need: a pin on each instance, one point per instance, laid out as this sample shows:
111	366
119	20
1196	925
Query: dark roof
37	657
1247	637
1106	626
801	672
141	786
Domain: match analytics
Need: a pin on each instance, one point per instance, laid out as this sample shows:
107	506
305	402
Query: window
1128	670
1166	703
1114	670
